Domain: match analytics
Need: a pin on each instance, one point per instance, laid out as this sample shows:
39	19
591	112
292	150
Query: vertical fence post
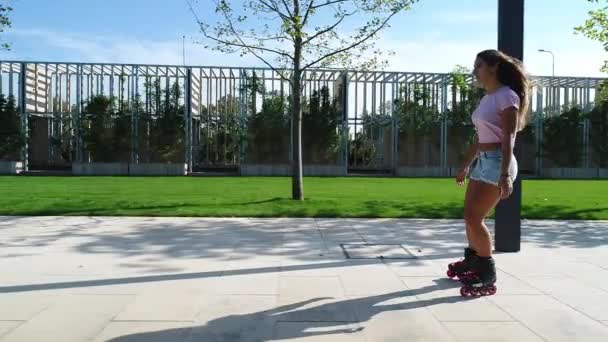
188	118
24	118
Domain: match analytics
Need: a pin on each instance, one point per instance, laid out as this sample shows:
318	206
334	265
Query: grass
270	197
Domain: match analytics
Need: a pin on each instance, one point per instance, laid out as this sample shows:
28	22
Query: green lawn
269	197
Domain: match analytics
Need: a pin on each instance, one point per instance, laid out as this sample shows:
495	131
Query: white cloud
428	52
89	48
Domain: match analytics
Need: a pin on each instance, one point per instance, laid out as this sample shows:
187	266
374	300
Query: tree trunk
297	186
296	115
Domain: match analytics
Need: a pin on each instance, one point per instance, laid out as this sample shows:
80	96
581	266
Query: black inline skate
462	269
482	278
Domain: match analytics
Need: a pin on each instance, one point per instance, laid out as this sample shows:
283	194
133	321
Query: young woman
497	119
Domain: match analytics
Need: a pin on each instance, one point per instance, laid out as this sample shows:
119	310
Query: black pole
508	212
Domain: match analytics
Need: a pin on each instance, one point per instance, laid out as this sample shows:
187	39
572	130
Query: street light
184	49
553	58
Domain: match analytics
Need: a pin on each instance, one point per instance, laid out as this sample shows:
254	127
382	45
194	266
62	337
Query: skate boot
462	269
482	280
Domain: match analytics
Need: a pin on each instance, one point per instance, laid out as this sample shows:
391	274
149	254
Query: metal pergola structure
58	92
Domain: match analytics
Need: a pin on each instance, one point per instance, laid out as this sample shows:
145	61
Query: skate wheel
492	290
464	291
451	274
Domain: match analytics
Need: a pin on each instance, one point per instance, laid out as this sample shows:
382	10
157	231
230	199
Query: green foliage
596	28
11	136
274	28
167	130
64	129
414	110
222	132
320	128
106	126
362	148
465	98
105	131
562	143
5	22
268	131
598	119
470	94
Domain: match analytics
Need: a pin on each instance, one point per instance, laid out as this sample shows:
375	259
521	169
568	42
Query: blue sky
434	36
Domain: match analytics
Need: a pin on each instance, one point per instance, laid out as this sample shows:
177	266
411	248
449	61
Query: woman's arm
509	127
470	154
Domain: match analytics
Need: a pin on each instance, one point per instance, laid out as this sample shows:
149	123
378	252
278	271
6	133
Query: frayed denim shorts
487	167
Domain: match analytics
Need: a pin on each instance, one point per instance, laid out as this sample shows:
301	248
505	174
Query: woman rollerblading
497	119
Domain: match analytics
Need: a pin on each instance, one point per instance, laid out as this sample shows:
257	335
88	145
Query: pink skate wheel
492	290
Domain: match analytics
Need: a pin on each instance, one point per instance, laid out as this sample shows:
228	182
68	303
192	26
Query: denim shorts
487	167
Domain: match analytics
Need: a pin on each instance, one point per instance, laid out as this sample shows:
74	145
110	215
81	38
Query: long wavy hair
511	72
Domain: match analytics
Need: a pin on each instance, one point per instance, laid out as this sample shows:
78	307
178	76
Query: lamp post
507	228
552	58
184	49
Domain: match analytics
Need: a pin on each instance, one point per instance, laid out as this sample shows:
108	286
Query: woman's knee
472	218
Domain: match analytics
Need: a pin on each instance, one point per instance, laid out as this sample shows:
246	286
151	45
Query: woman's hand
506	186
461	175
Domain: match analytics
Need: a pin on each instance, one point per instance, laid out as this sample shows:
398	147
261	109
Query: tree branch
352	45
322	32
327	3
242	44
248	46
307	12
266	38
275	9
287	8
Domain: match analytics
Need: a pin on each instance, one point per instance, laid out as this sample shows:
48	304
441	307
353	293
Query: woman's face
483	73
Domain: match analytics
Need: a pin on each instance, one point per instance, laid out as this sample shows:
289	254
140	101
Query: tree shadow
555	234
160	242
561	212
301	318
159	245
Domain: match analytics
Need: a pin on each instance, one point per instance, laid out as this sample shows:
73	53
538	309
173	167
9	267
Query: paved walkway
182	279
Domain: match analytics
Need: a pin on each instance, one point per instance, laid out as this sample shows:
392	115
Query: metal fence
234	119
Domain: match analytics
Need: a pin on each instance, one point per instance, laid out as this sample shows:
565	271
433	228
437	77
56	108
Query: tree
5	22
596	27
167	131
96	134
296	34
266	129
562	143
106	130
11	137
320	128
598	118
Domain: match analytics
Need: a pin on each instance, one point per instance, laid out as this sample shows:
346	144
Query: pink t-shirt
486	117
